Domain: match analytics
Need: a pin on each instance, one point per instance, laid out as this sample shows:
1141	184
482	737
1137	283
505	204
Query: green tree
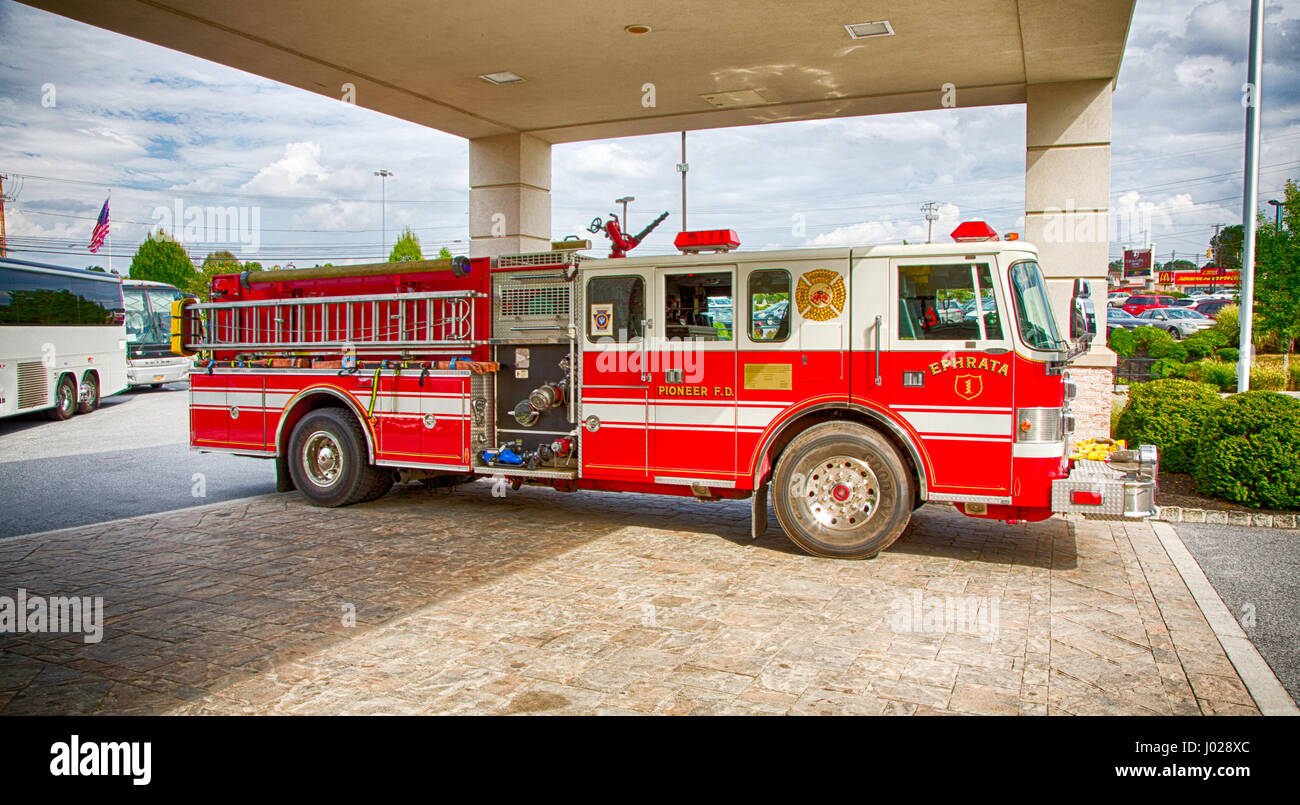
162	259
444	253
1277	276
100	269
1227	246
406	248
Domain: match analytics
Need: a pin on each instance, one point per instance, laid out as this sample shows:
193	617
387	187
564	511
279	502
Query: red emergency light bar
973	232
709	240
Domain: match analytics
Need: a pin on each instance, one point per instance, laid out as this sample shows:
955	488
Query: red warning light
973	232
709	240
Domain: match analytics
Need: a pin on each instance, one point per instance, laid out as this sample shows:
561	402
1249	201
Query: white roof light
863	30
504	77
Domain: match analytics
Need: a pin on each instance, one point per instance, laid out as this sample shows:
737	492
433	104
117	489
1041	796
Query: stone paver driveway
603	603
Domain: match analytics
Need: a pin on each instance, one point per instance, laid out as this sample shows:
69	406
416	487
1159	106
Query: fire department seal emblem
820	295
969	387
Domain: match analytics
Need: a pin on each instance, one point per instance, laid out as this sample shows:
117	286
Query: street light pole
624	200
383	210
1277	214
1256	64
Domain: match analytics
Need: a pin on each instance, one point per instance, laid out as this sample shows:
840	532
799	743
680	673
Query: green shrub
1227	326
1247	450
1267	378
1121	342
1168	414
1222	376
1168	367
1203	344
1295	378
1158	344
1228	354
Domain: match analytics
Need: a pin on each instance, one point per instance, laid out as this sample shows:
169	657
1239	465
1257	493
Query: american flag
101	229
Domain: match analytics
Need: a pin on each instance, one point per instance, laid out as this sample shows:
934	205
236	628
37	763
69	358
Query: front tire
843	491
1176	333
90	391
65	399
327	460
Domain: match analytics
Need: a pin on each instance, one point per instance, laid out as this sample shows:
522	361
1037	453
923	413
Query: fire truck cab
853	383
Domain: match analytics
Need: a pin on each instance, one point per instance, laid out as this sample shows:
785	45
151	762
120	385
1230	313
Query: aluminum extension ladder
403	321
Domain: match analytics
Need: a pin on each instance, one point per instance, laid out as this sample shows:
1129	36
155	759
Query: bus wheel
88	399
65	399
327	459
841	490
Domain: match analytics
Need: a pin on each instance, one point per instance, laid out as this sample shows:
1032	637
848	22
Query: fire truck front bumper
1123	488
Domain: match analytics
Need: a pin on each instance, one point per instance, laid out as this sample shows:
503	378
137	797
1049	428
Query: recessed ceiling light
504	77
864	30
638	29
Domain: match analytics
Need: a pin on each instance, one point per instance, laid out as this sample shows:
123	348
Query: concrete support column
509	195
1067	205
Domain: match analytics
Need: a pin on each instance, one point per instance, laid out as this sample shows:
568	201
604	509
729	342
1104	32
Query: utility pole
931	210
12	195
1248	200
682	167
383	210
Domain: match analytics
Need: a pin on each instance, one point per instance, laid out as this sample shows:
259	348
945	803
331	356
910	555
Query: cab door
950	377
692	372
615	323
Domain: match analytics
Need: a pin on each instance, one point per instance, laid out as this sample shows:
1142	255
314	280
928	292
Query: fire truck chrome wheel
842	490
329	462
323	459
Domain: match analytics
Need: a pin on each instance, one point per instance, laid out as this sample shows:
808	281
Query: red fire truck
855	383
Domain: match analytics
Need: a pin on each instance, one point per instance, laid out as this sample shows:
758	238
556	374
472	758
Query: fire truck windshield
1033	309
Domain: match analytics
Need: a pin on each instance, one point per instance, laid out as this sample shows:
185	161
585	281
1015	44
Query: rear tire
91	385
65	399
843	491
327	460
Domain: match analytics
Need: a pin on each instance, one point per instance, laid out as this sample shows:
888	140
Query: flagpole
110	230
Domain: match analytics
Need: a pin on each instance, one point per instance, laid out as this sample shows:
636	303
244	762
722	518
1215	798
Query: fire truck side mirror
1083	317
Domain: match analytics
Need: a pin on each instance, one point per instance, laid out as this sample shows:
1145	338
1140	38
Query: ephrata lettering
991	365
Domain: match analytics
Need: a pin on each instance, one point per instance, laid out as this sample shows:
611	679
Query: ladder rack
406	321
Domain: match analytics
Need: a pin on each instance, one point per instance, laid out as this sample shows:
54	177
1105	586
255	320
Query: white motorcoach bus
149	357
62	339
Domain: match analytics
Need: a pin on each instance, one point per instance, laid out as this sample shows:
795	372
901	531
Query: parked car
1210	306
1187	302
1140	303
1178	321
1118	317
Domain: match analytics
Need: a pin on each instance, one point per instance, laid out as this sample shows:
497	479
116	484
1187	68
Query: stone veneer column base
1092	406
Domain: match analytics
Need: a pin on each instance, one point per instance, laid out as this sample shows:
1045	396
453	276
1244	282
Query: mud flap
283	480
758	512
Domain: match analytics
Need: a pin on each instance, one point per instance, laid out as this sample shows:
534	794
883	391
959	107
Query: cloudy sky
83	111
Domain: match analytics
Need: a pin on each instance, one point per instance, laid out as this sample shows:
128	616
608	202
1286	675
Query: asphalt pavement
130	457
1256	572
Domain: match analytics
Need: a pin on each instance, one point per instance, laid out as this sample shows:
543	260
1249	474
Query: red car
1211	307
1139	303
